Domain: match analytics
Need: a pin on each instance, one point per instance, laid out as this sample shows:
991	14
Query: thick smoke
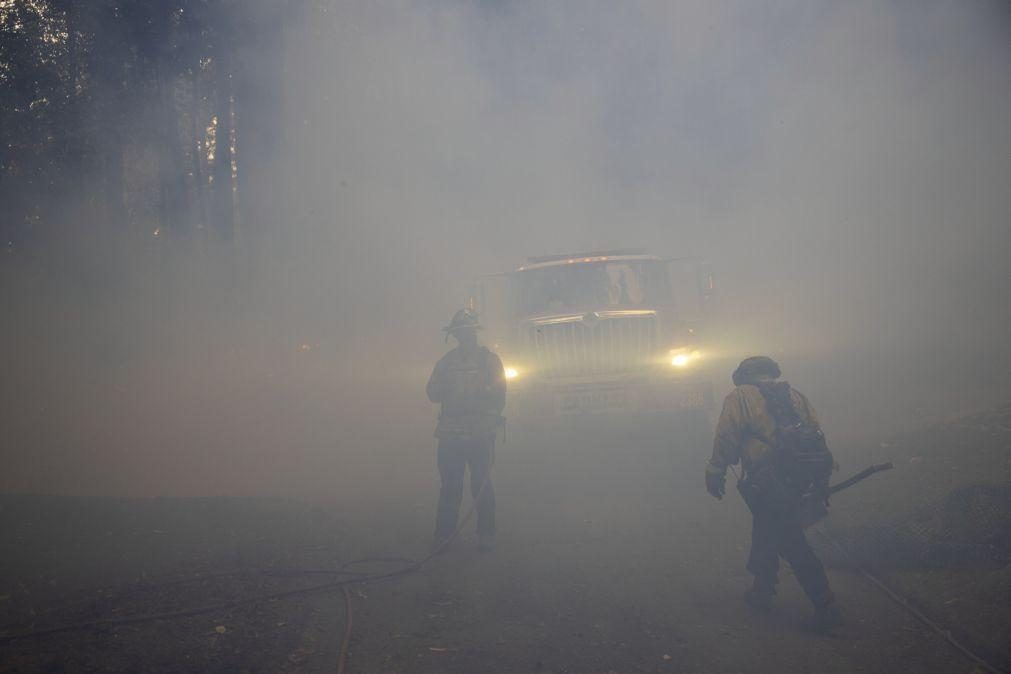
843	165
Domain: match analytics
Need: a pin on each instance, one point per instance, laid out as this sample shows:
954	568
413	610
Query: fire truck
617	332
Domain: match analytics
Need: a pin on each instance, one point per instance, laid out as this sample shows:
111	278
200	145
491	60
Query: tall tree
110	103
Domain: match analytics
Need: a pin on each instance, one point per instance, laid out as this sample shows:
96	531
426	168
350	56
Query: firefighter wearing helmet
772	431
470	385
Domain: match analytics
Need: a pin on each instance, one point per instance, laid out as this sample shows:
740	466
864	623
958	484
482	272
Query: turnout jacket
471	387
746	429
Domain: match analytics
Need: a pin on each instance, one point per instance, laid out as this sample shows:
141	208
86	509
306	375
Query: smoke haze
843	165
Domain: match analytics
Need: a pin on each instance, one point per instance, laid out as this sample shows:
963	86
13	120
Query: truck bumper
613	397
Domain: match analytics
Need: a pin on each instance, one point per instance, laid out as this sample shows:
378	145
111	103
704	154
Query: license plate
593	401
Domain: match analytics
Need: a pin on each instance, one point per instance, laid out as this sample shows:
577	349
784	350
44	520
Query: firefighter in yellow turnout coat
469	383
749	432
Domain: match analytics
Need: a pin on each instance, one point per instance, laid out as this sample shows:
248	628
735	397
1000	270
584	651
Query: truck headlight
511	373
681	358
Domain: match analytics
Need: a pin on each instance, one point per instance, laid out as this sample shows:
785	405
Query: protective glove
716	484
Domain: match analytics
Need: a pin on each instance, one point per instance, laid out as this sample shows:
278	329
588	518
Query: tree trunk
259	124
173	187
223	207
197	149
73	129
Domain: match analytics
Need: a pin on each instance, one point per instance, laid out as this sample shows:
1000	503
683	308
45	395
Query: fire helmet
752	368
464	319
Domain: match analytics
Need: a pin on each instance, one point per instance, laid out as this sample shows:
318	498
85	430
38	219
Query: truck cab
617	332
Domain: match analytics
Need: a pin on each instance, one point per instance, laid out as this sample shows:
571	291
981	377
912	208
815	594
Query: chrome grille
607	346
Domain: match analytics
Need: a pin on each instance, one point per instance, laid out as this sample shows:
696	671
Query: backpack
799	451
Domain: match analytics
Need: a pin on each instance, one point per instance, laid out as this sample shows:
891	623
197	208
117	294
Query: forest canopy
163	118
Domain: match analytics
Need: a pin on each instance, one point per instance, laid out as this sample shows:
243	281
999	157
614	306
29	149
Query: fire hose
353	578
411	566
416	566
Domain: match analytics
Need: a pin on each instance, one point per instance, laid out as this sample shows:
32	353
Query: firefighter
469	383
758	428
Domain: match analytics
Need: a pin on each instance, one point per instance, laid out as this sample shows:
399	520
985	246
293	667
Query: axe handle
862	475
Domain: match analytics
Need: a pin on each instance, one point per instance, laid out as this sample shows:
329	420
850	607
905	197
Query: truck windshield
589	286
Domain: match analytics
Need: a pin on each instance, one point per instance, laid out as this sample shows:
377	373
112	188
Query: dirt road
609	559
